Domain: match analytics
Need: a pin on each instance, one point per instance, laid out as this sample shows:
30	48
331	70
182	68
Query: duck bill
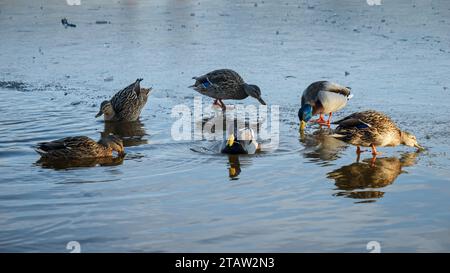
261	101
232	172
421	148
99	114
230	140
302	125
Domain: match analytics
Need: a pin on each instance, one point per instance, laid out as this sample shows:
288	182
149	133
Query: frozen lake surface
307	195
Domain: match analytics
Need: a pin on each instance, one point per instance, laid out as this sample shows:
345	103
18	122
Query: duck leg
329	118
222	105
358	150
319	120
374	150
219	103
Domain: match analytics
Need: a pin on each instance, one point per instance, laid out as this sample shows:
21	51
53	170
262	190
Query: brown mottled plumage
125	105
80	147
370	129
223	84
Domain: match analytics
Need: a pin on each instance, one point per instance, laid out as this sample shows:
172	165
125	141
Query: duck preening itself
241	142
223	84
80	147
322	97
371	129
125	105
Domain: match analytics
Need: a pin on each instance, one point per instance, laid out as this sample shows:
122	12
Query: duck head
254	91
235	145
304	115
106	109
409	139
114	143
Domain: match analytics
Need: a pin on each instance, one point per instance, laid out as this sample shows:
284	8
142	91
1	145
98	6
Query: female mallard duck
225	84
125	105
370	129
322	97
80	147
242	143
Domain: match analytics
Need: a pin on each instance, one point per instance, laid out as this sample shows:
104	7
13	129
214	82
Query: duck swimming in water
242	142
322	97
224	84
371	129
80	147
125	105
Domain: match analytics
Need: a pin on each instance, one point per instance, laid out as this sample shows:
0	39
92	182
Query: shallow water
307	195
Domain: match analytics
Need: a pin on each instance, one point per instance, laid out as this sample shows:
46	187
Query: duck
80	147
322	97
371	128
241	142
125	105
223	84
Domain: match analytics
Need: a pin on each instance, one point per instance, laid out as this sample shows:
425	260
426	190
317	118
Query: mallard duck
80	147
370	129
242	142
225	84
322	97
125	105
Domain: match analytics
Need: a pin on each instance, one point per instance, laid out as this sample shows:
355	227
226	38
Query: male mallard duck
370	129
80	147
225	84
322	97
243	142
125	105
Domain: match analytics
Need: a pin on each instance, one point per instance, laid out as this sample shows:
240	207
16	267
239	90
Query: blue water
310	194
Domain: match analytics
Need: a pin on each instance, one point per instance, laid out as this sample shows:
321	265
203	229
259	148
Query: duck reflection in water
234	168
321	146
89	162
131	132
355	179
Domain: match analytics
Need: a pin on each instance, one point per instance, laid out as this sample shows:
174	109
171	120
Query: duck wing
223	79
326	96
351	122
338	89
66	146
126	96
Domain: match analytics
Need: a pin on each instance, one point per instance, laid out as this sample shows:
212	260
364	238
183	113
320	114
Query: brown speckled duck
223	84
371	129
80	147
125	105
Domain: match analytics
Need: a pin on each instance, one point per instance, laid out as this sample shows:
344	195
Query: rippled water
310	194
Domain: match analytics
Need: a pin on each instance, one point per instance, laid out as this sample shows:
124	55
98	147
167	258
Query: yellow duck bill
230	140
302	125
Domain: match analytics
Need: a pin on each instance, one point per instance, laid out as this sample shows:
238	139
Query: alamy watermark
373	247
199	123
373	2
74	247
73	2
